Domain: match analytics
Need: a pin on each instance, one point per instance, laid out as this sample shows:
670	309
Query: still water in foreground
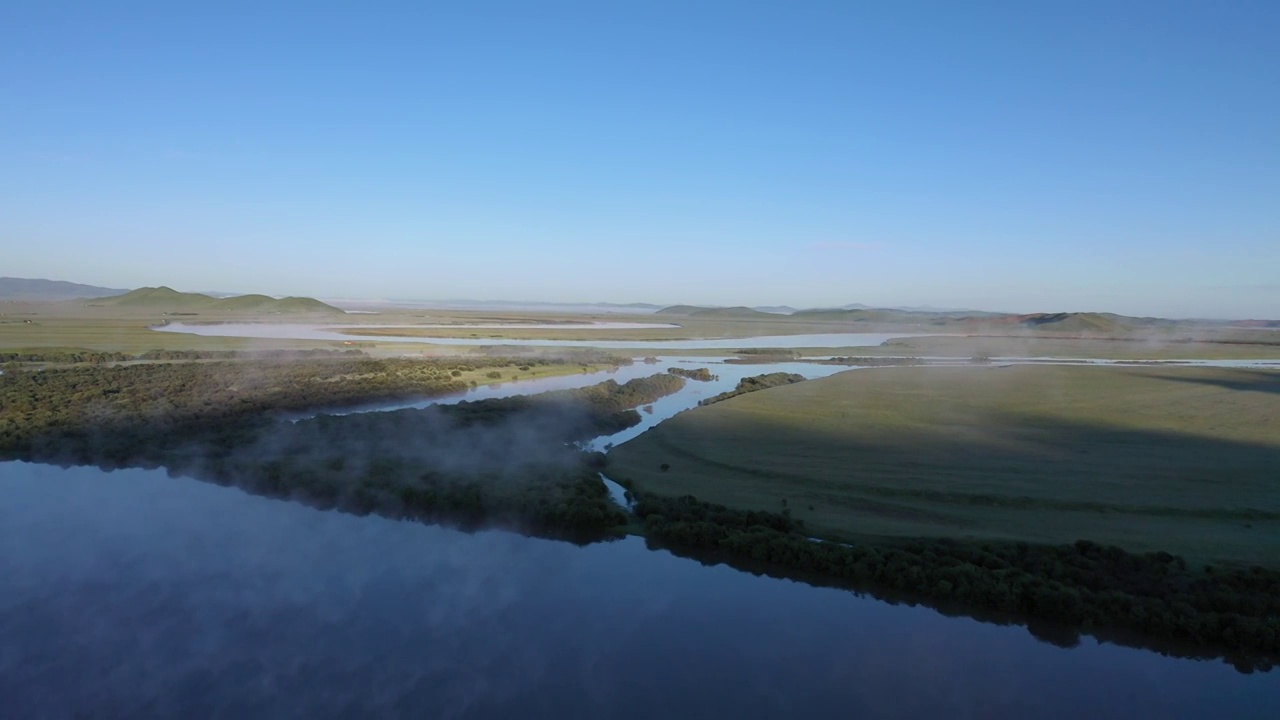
133	594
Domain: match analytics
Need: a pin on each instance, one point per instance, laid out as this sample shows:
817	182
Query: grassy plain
74	327
1185	460
1202	344
1222	345
93	326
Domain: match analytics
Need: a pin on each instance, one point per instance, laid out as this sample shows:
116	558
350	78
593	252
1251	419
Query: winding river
278	331
136	594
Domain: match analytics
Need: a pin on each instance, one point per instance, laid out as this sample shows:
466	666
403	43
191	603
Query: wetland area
640	360
732	524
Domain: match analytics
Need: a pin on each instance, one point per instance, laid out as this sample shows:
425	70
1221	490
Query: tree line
700	374
510	461
754	383
1085	585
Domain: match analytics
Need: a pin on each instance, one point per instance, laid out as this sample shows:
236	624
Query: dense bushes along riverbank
35	403
754	383
700	374
507	462
1083	585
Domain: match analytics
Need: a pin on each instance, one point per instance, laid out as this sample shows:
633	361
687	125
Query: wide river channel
135	594
475	336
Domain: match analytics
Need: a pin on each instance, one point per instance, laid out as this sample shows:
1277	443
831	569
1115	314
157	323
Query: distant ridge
891	315
168	299
716	312
680	310
1077	323
39	289
1100	323
1080	322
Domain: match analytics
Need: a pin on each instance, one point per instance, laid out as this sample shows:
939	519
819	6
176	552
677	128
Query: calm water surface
134	594
727	377
332	332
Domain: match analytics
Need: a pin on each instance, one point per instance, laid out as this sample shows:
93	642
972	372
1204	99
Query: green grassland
122	324
1218	344
1238	344
73	327
1183	460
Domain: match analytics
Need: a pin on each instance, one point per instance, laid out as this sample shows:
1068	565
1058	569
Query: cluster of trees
330	463
870	361
510	461
581	413
763	356
97	357
308	354
701	374
154	399
558	356
611	396
1084	585
64	356
98	398
754	383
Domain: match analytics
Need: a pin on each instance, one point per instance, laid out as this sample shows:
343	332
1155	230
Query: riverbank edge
1151	600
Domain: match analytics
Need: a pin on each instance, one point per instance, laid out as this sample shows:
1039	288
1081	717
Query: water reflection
135	594
333	333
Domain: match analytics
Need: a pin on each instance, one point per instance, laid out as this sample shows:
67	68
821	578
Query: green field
1185	460
122	324
1223	345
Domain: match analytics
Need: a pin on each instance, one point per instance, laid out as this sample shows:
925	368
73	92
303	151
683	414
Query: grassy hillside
167	299
158	298
1176	459
711	313
733	312
1077	322
264	304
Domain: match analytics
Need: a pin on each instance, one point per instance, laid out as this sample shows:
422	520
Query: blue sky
1020	156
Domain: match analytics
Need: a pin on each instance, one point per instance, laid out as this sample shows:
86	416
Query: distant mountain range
51	290
739	312
165	299
170	300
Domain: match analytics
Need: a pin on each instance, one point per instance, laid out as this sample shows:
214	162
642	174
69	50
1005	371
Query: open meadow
1183	460
101	326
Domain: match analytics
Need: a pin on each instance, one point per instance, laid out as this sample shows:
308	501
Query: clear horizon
1118	157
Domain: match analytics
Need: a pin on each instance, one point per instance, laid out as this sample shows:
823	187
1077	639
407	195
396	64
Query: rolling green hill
732	312
159	297
679	310
739	311
167	299
886	316
1078	322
